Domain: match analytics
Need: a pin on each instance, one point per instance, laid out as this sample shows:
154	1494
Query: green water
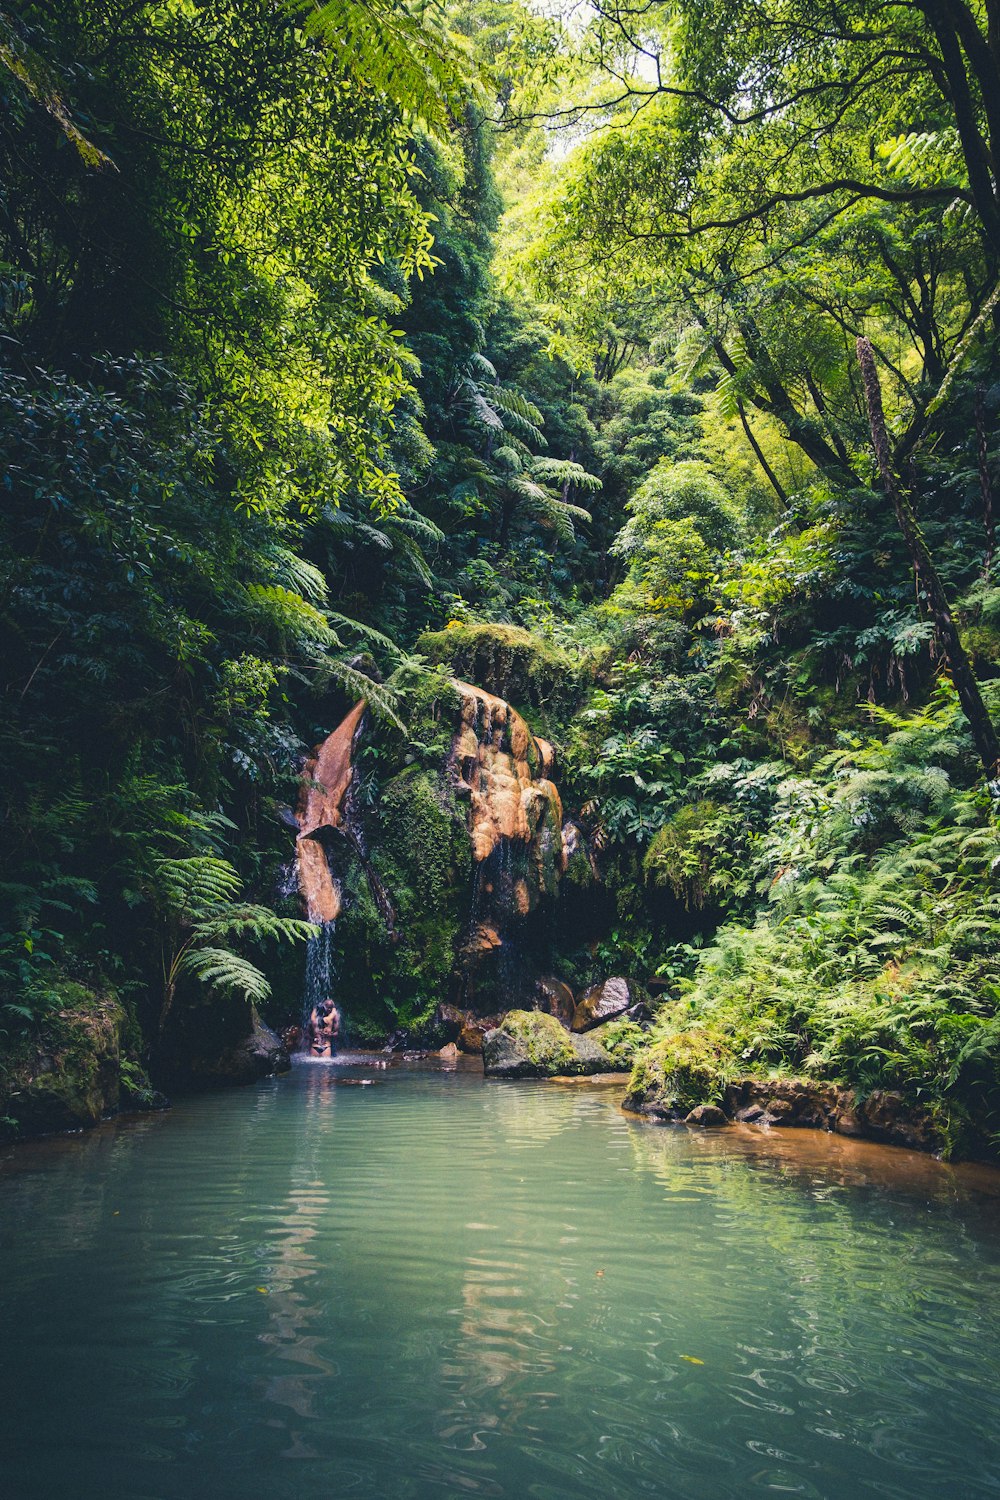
440	1286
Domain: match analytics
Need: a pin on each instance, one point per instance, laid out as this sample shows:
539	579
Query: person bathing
324	1029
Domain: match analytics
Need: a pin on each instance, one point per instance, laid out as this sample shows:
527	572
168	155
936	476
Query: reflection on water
437	1286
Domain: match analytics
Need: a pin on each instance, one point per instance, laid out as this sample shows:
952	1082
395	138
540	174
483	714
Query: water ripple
443	1287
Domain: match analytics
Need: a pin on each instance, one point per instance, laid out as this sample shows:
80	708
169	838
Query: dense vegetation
643	369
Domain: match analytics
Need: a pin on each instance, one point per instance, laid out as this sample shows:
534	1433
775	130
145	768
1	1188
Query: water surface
440	1286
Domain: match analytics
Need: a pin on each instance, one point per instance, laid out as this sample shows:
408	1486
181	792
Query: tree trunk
928	583
985	487
775	482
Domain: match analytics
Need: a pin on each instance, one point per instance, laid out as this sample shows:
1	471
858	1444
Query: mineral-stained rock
474	1029
706	1115
556	998
612	997
530	1044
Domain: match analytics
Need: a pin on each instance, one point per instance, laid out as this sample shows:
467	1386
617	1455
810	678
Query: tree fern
225	972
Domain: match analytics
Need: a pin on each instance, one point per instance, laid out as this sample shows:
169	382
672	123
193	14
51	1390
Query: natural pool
441	1286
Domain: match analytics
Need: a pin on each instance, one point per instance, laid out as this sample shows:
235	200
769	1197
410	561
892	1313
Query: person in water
324	1029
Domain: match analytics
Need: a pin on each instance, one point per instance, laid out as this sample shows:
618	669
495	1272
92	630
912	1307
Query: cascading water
325	790
320	971
515	823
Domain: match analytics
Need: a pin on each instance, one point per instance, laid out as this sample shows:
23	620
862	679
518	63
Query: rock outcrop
555	998
531	1044
676	1082
69	1075
601	1002
501	770
327	779
879	1116
256	1055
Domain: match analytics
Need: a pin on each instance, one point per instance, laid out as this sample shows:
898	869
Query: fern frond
225	972
290	613
250	921
302	576
192	885
380	699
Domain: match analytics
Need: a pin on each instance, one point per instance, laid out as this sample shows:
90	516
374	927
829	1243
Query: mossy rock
520	667
68	1075
677	1072
621	1039
531	1044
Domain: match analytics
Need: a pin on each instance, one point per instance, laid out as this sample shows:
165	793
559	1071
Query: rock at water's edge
69	1079
531	1044
799	1103
255	1056
601	1002
473	1032
706	1115
555	998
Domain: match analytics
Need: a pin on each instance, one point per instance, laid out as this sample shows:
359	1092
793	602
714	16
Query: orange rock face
498	758
321	805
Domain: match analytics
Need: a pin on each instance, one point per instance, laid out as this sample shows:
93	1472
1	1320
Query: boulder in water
706	1115
612	997
531	1044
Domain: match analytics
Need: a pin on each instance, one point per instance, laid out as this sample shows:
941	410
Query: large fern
197	899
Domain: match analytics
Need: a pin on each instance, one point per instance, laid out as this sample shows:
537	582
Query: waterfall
515	825
327	781
320	973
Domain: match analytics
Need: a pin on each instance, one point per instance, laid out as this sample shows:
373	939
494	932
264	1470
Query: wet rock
449	1052
706	1115
69	1077
448	1022
555	998
803	1103
257	1055
473	1031
887	1117
531	1044
612	997
676	1073
483	938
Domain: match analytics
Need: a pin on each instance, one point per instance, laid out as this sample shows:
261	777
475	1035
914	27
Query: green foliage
196	899
512	663
686	1064
422	856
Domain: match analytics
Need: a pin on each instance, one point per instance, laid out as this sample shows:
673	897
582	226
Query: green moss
67	1072
421	853
681	1069
621	1039
545	1040
512	663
